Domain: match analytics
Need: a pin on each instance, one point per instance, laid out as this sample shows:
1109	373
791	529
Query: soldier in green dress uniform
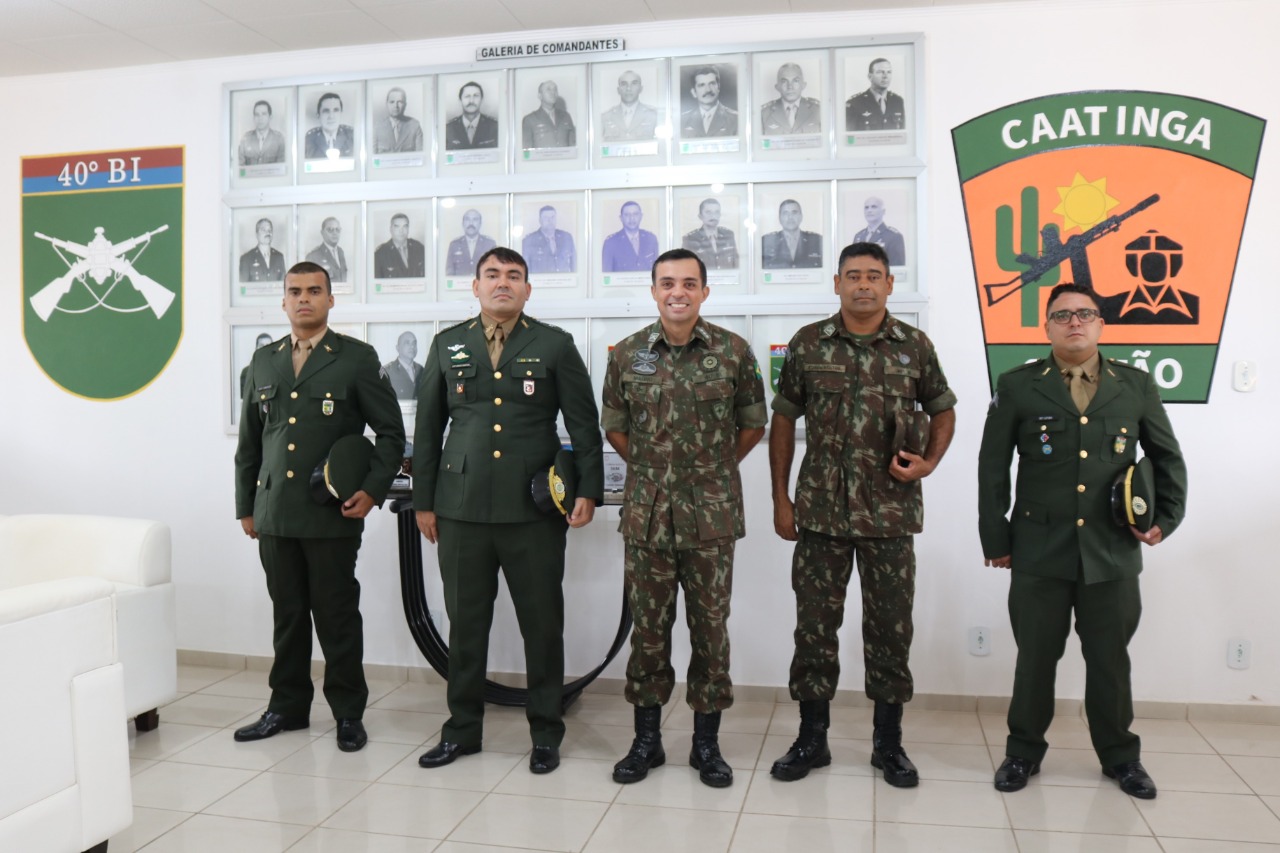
1076	420
302	394
498	382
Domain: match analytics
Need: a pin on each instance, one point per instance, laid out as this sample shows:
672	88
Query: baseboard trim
1252	713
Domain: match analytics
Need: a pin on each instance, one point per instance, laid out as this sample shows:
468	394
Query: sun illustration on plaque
1084	204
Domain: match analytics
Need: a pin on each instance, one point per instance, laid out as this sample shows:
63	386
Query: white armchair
65	779
134	556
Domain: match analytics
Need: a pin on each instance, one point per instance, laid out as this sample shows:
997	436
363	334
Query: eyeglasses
1084	315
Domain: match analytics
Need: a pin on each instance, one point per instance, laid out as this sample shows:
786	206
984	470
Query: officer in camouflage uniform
683	404
856	378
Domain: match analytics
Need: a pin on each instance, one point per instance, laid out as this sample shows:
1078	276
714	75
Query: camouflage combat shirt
681	410
848	392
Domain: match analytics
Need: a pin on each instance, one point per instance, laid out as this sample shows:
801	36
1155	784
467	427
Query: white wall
163	453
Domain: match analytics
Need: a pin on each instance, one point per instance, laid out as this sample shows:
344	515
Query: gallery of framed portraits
764	162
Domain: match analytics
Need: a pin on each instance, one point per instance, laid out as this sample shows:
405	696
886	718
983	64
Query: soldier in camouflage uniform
683	404
856	378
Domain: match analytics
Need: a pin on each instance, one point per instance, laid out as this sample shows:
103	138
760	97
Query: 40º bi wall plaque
102	267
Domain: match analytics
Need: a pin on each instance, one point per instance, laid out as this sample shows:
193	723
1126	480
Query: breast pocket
532	380
900	385
715	404
462	384
824	389
1036	437
901	381
644	396
329	401
1120	437
266	401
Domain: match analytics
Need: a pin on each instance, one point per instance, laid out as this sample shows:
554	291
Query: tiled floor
195	789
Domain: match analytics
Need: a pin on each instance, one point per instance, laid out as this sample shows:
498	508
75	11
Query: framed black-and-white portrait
631	120
262	125
399	128
245	341
551	108
712	99
471	117
881	212
331	235
469	227
711	221
629	230
402	352
330	131
792	244
401	262
548	228
792	121
875	102
261	253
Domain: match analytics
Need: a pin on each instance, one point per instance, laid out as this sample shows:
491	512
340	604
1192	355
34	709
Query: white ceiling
48	36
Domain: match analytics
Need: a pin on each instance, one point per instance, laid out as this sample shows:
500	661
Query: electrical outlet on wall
1238	653
980	641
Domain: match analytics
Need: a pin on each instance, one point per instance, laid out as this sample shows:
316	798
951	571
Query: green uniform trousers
820	572
315	578
1106	618
653	576
531	556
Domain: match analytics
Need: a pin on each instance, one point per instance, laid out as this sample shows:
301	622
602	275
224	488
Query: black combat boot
887	753
646	750
705	756
810	749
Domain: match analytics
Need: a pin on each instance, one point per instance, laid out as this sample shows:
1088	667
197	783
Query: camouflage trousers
653	577
820	573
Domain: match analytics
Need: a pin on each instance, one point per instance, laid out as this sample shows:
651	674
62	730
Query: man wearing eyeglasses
1076	420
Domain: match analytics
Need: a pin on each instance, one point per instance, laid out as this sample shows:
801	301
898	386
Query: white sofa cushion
121	550
65	781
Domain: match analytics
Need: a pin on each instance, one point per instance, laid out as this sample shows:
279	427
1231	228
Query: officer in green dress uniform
1076	420
302	394
498	382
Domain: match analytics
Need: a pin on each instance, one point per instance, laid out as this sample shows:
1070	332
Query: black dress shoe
444	753
1133	779
544	759
351	735
1014	773
270	724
